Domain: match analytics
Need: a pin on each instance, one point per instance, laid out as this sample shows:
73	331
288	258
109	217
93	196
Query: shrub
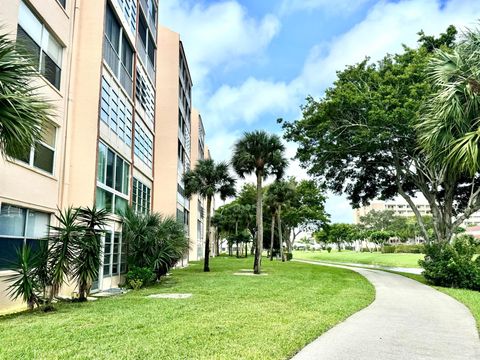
288	256
410	249
452	265
388	249
329	248
138	277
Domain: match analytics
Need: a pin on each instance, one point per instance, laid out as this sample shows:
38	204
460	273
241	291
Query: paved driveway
407	320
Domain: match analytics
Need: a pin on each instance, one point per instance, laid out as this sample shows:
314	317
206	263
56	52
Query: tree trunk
246	249
272	235
280	235
206	260
236	235
258	251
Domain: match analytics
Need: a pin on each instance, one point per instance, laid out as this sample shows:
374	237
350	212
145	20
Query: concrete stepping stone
169	296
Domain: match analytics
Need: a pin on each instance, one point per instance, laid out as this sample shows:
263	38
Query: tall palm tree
22	110
449	129
207	179
262	154
279	194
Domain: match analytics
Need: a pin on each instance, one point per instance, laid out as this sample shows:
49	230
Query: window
41	44
116	111
19	226
113	174
129	9
141	197
62	2
42	155
147	40
145	95
117	52
114	254
143	148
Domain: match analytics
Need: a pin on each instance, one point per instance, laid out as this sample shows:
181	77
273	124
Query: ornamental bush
452	265
138	277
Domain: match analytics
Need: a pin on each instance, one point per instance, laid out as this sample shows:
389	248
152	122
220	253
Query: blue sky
253	61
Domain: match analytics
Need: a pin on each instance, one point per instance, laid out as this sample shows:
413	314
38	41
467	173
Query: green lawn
374	258
228	317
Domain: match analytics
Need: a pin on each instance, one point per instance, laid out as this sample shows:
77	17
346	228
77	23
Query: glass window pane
29	22
52	47
107	254
102	162
43	158
8	252
12	221
119	174
120	205
110	168
29	45
103	199
50	70
126	178
48	135
37	224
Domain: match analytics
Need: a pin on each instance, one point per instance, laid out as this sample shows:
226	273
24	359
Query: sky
254	61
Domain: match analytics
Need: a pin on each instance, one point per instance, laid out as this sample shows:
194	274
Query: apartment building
197	209
98	64
173	128
401	208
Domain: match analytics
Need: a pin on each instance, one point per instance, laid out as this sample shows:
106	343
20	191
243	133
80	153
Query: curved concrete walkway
407	320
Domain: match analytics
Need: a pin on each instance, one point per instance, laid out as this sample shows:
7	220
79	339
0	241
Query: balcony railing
147	63
126	80
150	20
110	55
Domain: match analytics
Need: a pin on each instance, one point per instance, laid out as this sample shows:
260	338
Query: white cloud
337	7
217	34
385	28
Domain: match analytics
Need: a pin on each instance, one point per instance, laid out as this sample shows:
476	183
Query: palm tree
449	128
263	154
88	248
63	239
154	241
22	110
207	179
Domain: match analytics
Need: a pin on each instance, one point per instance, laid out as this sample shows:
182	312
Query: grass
228	317
374	258
470	298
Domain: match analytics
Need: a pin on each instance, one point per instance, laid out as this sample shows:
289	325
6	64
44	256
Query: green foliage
138	277
24	283
329	249
262	154
388	249
410	249
88	248
154	241
452	265
22	111
207	179
361	138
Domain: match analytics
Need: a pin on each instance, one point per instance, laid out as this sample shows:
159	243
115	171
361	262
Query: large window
141	197
145	95
146	46
116	111
19	226
117	52
42	155
41	44
143	148
113	176
114	254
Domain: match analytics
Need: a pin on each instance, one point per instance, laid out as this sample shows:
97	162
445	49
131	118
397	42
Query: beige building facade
122	131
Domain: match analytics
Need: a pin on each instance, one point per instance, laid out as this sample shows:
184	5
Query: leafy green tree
22	111
306	210
207	179
262	154
361	138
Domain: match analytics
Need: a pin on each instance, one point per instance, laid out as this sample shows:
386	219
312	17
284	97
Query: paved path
407	320
417	271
